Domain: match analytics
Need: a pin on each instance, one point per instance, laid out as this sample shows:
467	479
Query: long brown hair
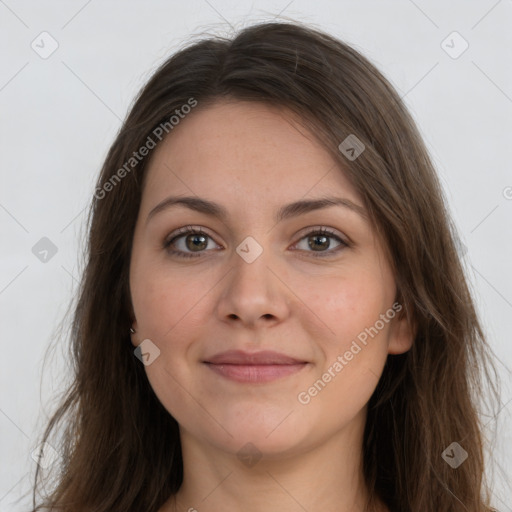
120	449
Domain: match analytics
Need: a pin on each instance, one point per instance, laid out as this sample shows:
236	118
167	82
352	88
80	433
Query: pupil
200	245
315	245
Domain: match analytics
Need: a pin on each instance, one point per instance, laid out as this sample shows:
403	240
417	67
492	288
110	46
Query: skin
252	159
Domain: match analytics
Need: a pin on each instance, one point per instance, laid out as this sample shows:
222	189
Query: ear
133	321
402	333
134	335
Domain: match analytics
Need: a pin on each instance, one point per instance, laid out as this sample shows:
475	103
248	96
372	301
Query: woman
273	315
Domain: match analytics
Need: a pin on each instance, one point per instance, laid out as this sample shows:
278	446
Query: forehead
245	151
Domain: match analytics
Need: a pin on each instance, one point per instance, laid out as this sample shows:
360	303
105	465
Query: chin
270	435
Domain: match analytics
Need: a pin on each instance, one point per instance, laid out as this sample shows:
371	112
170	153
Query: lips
266	357
258	367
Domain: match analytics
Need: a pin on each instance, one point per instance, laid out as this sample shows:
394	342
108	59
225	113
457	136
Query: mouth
259	367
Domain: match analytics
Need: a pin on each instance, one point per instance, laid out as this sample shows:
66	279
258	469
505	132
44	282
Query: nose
253	293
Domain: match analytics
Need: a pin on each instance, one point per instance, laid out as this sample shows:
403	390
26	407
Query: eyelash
198	231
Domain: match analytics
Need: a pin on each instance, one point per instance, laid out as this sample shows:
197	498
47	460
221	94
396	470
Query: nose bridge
251	275
253	291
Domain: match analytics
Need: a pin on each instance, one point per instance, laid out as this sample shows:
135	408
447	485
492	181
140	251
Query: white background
58	117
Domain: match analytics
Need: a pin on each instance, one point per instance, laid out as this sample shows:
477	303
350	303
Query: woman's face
259	278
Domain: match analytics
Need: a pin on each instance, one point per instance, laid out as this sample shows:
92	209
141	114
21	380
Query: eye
319	239
196	241
194	238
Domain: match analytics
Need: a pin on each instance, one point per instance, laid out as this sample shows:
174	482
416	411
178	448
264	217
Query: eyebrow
294	209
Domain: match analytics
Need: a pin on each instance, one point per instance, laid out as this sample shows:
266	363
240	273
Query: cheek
348	305
357	351
163	300
353	357
170	312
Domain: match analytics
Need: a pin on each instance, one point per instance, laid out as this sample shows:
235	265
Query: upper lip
265	357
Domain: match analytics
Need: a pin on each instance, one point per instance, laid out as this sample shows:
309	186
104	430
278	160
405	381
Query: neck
324	477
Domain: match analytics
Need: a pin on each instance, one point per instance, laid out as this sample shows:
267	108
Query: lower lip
256	373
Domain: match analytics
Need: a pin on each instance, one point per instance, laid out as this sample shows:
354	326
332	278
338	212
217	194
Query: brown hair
121	449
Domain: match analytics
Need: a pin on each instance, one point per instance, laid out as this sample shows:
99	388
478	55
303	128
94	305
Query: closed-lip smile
255	367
